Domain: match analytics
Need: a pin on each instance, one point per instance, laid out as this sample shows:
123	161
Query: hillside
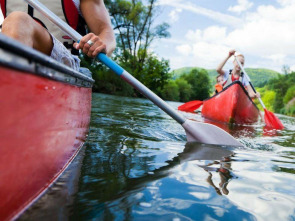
259	76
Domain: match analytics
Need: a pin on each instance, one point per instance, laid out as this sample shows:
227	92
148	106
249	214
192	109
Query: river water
138	166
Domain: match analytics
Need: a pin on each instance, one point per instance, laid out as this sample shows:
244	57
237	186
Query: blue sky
203	31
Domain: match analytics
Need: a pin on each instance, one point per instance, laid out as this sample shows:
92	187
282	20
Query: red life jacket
234	79
231	78
65	9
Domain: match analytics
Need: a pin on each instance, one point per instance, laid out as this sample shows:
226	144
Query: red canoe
44	120
232	105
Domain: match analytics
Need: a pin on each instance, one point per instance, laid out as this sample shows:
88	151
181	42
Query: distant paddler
236	74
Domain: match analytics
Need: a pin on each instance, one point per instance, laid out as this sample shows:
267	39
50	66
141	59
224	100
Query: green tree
281	85
133	22
185	89
170	91
290	94
200	82
154	73
286	69
268	99
134	25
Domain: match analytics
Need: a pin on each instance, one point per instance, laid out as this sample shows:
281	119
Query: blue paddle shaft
111	64
141	88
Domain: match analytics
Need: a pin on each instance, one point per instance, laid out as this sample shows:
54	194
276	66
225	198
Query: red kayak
44	120
232	105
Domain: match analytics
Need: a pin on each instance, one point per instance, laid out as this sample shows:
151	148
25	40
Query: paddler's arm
251	93
99	23
220	66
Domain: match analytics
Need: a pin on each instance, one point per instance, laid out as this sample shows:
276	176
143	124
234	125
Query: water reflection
225	175
137	166
112	178
218	155
236	130
211	155
134	168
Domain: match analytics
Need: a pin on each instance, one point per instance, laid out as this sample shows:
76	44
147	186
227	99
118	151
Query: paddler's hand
91	45
256	95
231	52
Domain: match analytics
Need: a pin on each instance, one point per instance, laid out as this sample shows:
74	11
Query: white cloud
243	5
167	2
184	49
214	15
204	48
265	36
269	33
214	34
174	14
285	2
211	34
208	55
194	35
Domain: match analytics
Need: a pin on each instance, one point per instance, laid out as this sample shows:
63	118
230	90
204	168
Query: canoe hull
232	105
43	125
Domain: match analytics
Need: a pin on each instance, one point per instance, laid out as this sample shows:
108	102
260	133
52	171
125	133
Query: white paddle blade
208	134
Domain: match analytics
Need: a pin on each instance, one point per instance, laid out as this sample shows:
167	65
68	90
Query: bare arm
220	66
251	93
99	23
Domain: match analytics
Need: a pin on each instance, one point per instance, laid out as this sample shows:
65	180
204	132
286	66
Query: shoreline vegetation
186	84
135	25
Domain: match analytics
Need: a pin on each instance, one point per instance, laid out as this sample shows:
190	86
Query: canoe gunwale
20	57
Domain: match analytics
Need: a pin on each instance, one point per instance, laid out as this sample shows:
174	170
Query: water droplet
53	87
46	88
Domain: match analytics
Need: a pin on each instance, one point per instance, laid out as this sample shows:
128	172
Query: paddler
26	25
235	74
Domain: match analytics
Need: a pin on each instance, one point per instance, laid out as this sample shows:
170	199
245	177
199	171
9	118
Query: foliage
286	69
105	80
259	76
133	22
278	94
268	98
281	85
193	86
200	82
170	91
289	109
290	94
185	89
154	73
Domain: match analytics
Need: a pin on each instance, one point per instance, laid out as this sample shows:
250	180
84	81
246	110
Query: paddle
190	106
195	131
270	119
